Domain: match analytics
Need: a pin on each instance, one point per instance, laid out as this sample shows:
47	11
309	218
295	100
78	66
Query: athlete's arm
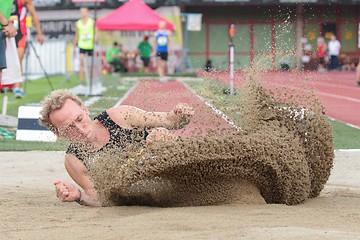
8	28
132	117
96	35
169	42
154	43
76	37
30	7
3	20
67	192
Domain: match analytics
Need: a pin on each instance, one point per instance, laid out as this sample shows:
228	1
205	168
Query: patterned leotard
119	138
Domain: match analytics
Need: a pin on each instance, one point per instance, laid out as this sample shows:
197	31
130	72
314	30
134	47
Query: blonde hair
55	100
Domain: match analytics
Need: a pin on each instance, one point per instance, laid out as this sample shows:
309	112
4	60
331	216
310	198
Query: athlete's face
162	25
84	12
73	122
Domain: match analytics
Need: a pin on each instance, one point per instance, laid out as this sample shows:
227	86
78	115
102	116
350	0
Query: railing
50	58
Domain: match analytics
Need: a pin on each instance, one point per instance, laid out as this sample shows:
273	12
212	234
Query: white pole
231	45
231	69
5	101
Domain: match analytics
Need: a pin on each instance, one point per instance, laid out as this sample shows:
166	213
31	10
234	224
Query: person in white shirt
334	47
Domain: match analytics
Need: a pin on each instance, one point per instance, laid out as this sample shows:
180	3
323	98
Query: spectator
115	58
348	64
85	36
7	30
162	47
334	52
321	53
208	66
145	50
19	16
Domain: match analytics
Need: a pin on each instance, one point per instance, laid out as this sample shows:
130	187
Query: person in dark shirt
145	50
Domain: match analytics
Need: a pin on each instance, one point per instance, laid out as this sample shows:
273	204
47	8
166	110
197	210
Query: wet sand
29	209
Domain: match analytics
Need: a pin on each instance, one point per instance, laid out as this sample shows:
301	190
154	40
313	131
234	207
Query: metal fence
50	58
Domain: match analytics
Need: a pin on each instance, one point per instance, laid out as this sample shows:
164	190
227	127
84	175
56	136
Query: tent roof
132	16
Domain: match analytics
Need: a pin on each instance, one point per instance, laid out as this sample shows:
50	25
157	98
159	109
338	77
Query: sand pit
278	158
29	209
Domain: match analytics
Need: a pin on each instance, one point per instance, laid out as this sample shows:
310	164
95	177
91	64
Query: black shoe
358	83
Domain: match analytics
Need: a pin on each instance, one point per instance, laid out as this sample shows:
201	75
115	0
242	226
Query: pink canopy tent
134	15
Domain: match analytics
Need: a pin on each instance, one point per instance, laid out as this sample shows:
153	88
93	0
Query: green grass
212	91
345	137
13	145
37	89
115	91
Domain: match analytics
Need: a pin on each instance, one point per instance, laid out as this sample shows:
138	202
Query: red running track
337	90
164	96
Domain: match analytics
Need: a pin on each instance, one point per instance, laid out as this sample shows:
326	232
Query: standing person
65	114
145	50
334	52
18	16
7	29
321	52
162	47
85	36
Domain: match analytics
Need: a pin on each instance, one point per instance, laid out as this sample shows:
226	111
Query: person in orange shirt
321	53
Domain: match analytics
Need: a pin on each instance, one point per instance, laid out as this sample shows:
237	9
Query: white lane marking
217	111
126	94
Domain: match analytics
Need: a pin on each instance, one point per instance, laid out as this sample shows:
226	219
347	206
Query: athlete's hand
65	191
9	30
40	38
183	114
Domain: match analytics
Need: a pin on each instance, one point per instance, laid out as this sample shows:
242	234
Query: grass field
35	90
